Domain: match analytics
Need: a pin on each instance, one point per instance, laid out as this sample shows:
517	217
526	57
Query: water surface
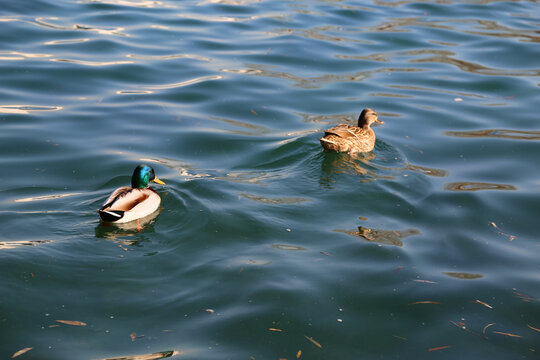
266	247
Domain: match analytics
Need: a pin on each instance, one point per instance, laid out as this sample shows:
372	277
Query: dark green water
425	249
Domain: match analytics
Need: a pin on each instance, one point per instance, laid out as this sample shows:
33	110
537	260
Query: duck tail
328	144
111	215
327	141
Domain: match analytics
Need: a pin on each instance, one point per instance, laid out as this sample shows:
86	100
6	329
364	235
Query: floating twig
464	328
72	322
440	348
425	302
20	352
485	328
507	334
425	281
510	237
483	303
313	342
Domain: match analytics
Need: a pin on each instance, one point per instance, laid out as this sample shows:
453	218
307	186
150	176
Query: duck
352	139
127	204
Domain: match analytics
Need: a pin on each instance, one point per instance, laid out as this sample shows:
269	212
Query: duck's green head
142	176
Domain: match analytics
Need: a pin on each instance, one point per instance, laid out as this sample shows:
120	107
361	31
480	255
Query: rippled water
266	247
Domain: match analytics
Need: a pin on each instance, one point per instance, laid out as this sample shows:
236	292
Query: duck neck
139	183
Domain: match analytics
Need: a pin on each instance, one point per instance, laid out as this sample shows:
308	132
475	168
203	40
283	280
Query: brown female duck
352	139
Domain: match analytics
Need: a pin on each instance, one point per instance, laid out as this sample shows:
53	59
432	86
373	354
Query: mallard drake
352	139
131	203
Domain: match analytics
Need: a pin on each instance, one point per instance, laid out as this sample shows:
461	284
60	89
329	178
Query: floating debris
153	356
426	281
483	303
72	322
274	329
463	327
313	342
510	237
485	328
440	348
400	337
22	351
425	302
524	297
463	275
507	334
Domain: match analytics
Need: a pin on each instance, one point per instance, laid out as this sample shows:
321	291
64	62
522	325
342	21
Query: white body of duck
126	203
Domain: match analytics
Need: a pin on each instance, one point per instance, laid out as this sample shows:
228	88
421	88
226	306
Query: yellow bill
157	181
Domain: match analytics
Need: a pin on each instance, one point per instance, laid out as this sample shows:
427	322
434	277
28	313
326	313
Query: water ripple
476	186
317	81
93	63
45	22
185	83
15	55
130	3
26	109
497	133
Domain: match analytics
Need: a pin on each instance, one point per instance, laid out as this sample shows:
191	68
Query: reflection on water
16	55
113	231
93	63
274	201
497	133
476	186
463	275
317	34
426	170
66	41
371	166
381	236
335	163
288	247
45	197
435	90
314	82
445	57
442	57
214	18
168	57
184	83
45	22
251	129
4	245
132	3
26	109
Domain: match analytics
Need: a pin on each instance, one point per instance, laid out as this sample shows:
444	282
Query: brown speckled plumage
352	139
